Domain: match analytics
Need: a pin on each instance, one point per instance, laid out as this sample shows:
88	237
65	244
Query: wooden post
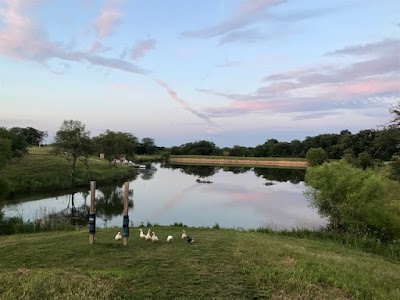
125	224
92	214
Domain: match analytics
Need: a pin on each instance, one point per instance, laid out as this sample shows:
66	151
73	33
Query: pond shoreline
241	162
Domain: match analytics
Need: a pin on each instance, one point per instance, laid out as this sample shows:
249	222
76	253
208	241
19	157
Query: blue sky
231	72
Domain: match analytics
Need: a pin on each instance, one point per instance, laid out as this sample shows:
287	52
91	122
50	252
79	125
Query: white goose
184	236
154	238
118	236
148	237
141	234
169	238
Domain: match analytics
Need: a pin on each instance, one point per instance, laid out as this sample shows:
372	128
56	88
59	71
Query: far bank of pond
221	161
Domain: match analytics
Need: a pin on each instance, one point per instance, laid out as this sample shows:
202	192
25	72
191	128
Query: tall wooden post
125	223
92	214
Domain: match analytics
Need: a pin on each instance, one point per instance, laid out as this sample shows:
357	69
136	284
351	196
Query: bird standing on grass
184	236
169	238
141	234
154	238
190	239
118	236
148	237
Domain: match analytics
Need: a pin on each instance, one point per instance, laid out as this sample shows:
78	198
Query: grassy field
42	171
221	264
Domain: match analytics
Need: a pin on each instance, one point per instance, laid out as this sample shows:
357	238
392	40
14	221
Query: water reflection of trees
72	214
236	170
148	173
282	175
200	171
110	202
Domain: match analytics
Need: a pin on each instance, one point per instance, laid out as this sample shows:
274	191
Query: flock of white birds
154	238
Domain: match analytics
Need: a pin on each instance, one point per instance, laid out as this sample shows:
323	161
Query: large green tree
115	145
72	142
32	136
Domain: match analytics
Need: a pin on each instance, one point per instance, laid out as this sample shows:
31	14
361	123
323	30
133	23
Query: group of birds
154	238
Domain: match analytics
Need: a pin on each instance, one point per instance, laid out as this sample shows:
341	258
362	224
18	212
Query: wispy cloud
249	12
107	19
140	48
329	87
22	39
174	96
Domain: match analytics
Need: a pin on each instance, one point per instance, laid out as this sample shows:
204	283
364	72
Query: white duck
169	238
141	234
184	236
118	236
148	237
154	238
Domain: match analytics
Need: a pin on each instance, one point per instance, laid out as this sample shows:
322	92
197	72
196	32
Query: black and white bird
190	239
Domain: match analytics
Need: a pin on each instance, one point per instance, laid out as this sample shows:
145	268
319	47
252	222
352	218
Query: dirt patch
277	163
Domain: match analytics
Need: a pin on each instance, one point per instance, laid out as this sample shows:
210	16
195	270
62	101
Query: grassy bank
42	171
281	162
221	264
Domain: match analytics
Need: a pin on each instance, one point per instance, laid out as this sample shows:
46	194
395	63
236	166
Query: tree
115	145
354	200
32	136
5	154
72	142
18	143
148	145
316	156
395	110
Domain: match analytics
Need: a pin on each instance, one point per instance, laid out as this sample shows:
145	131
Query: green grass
42	171
241	158
221	264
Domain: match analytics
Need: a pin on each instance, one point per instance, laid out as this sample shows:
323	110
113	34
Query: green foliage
316	156
17	225
115	145
72	142
4	187
5	152
354	200
395	168
17	142
196	148
365	160
32	136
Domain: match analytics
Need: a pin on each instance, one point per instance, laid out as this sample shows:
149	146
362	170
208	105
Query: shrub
316	156
354	200
395	168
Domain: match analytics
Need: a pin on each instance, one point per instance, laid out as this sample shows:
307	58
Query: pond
234	197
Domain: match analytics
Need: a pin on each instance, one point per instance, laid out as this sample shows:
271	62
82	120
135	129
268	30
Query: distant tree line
379	144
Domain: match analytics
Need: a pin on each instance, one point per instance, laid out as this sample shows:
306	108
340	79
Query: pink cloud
22	39
120	86
142	47
174	96
107	19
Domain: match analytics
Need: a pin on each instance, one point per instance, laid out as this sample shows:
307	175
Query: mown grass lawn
221	264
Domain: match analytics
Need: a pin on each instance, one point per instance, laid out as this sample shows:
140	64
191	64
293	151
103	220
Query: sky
231	72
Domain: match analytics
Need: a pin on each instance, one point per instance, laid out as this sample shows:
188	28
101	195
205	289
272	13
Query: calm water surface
236	198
